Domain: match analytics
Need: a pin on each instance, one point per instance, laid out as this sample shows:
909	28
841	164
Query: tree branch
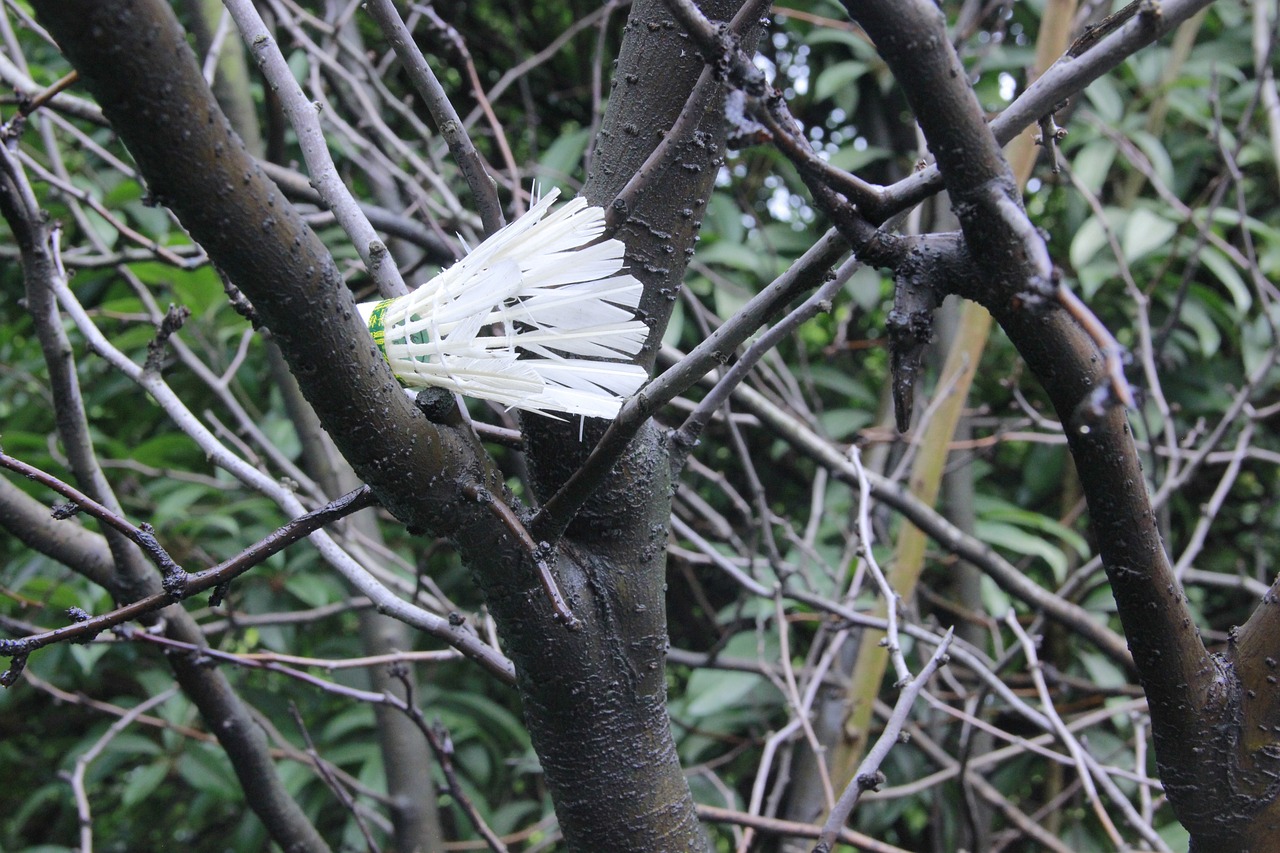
446	117
302	114
180	587
130	579
194	163
1184	685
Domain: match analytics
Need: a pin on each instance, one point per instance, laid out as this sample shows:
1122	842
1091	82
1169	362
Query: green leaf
1020	541
856	42
715	691
105	231
994	599
563	157
1106	100
866	288
314	589
1092	163
1088	241
87	656
1156	153
125	191
167	450
1175	835
511	817
1144	232
482	714
475	760
200	290
843	424
207	769
198	525
738	256
723	219
1226	272
1195	317
1257	337
675	326
718	690
174	505
992	509
283	433
851	159
141	782
300	65
838	77
1103	671
356	719
843	382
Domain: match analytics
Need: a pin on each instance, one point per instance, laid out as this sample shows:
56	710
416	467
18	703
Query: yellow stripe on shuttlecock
541	316
377	328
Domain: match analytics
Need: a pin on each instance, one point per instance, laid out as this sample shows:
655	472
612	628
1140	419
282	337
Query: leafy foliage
1162	219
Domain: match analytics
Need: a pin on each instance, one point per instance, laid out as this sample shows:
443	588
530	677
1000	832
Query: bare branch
868	775
446	117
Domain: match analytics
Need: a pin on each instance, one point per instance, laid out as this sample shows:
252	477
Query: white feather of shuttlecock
525	318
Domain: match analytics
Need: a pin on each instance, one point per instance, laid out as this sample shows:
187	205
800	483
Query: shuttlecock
530	319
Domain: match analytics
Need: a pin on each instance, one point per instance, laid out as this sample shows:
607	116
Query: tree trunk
595	699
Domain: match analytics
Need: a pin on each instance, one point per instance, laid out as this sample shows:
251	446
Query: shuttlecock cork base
533	318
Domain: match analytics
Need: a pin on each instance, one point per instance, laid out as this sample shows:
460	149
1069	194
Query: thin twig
35	103
891	598
446	117
540	554
805	273
355	573
455	40
790	828
303	117
1068	739
686	437
216	44
83	811
442	748
322	768
180	586
143	536
1062	80
955	540
868	775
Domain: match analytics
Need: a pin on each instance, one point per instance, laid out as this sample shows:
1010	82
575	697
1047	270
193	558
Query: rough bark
1218	765
594	699
406	756
614	557
120	566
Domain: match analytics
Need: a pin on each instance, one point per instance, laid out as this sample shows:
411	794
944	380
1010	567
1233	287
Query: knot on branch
219	594
871	781
174	582
910	328
63	511
238	301
173	320
734	66
79	615
16	666
1040	293
439	406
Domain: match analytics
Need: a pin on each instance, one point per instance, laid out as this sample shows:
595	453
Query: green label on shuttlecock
377	326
